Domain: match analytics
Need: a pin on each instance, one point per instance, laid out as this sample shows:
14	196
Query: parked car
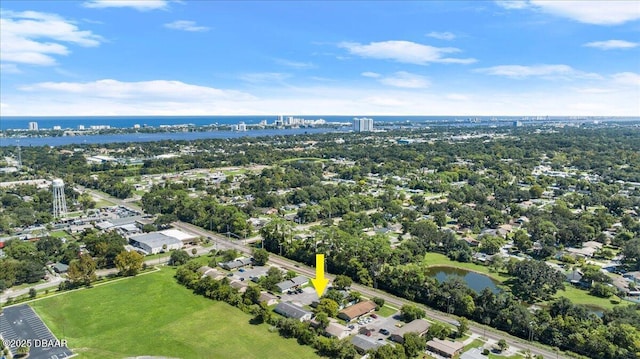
384	331
374	316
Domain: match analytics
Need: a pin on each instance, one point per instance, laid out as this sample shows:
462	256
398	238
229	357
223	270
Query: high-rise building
33	126
59	201
362	124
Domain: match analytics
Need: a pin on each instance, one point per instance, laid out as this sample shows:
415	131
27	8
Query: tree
438	330
32	293
379	302
178	257
413	344
252	295
82	271
631	253
502	344
410	313
342	282
23	351
323	319
328	306
535	280
260	256
194	251
440	217
129	263
463	327
491	244
387	352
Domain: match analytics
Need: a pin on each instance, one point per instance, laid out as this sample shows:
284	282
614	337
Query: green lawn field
153	315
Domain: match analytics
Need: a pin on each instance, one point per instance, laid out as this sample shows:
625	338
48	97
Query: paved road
222	242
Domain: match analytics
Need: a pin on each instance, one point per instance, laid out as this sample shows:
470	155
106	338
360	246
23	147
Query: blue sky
158	57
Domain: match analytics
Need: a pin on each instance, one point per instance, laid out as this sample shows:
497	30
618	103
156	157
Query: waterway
476	281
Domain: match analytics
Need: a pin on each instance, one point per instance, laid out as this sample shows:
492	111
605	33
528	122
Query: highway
487	332
222	242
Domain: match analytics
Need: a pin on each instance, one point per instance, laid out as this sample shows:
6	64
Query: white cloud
406	52
612	12
457	97
265	77
543	71
9	68
185	25
36	38
513	4
405	80
371	74
114	89
295	64
611	44
442	35
140	5
627	79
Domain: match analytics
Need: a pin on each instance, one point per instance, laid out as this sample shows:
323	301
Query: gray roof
419	326
125	220
365	343
288	284
290	310
60	267
236	263
155	239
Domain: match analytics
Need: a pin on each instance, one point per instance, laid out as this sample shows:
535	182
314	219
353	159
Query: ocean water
22	123
72	122
150	137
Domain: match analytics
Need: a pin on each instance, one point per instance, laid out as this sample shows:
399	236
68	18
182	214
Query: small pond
476	281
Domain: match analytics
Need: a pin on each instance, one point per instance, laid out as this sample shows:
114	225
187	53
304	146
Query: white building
33	126
152	243
363	124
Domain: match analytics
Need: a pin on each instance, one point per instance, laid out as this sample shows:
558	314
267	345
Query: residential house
363	343
445	348
335	330
268	298
290	310
357	310
236	263
292	283
419	326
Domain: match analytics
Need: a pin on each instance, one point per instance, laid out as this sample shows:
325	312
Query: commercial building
154	242
33	126
362	124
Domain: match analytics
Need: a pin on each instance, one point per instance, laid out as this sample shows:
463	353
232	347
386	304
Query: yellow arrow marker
320	282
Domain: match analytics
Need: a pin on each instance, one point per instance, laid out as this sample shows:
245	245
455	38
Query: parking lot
307	296
375	324
20	325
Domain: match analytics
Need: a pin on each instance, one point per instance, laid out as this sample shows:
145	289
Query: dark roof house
290	310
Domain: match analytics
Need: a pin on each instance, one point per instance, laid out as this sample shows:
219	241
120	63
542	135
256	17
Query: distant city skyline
473	58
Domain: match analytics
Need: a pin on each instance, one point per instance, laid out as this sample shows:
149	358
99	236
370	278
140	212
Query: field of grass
579	296
437	259
387	311
153	315
59	234
101	203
